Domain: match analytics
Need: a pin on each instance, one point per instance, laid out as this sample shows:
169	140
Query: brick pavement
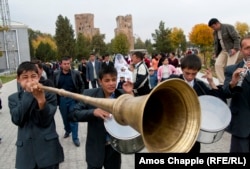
74	156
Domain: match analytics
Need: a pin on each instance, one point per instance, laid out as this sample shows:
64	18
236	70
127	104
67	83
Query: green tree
109	48
98	44
162	39
120	44
149	46
82	46
64	37
32	35
178	39
36	37
44	52
139	44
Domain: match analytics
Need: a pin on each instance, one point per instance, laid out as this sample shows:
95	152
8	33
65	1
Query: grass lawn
7	78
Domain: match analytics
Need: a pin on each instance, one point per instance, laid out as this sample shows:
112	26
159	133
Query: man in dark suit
93	68
33	110
237	87
69	80
99	152
106	61
82	69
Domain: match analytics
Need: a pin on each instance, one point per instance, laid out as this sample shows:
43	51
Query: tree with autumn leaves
202	36
243	28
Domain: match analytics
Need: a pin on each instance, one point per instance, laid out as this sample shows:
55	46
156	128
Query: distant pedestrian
106	61
93	68
173	60
152	78
165	70
82	69
140	75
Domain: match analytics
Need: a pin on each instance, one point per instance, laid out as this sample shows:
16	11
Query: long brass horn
168	118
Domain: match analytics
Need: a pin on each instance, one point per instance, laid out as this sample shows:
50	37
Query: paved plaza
74	156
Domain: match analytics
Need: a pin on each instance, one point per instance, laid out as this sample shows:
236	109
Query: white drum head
119	131
215	114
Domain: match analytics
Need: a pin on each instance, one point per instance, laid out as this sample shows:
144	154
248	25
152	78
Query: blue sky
147	14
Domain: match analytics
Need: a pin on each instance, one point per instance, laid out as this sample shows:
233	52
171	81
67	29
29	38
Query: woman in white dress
122	68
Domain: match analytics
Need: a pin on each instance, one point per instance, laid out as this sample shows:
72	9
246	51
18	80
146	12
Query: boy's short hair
107	70
26	66
191	62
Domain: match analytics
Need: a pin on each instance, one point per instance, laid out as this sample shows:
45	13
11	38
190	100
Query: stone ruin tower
125	26
84	23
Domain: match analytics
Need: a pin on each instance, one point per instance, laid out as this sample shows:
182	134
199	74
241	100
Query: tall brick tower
125	26
84	23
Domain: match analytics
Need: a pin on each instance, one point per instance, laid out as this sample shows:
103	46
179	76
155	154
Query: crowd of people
134	74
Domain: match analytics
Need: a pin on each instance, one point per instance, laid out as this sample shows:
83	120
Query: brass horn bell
168	118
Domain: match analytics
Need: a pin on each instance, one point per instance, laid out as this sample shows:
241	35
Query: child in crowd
165	70
121	82
152	78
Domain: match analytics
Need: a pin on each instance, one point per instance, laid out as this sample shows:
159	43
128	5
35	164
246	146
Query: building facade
14	47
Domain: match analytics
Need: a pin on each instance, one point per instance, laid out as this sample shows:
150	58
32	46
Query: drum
124	139
215	117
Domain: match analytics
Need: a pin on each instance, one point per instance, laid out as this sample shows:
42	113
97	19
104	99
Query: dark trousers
93	83
56	166
69	126
240	145
112	159
86	83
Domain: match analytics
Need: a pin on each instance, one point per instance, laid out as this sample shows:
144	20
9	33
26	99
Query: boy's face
189	74
108	83
27	77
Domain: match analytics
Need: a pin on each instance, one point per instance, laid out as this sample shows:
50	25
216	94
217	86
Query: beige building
125	26
84	23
